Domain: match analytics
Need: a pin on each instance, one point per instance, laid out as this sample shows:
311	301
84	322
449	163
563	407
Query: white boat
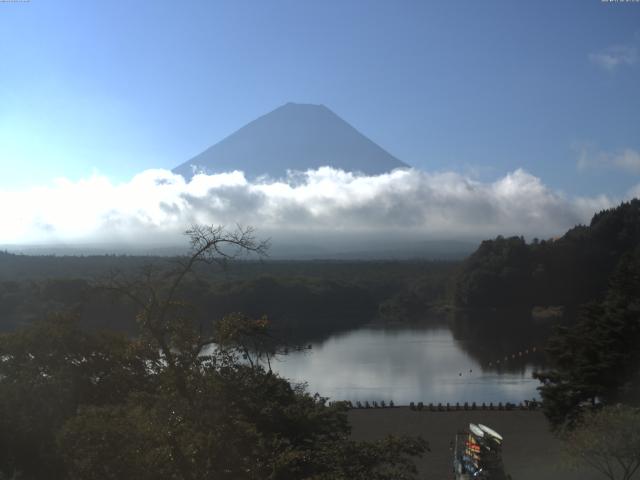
476	430
491	432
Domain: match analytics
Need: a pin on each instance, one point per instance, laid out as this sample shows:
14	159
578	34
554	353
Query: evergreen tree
598	359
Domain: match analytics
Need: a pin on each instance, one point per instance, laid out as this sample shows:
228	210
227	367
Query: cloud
613	57
317	206
627	159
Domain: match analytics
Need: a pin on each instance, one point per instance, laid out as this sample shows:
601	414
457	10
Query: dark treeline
569	271
18	267
593	272
596	361
304	300
578	295
175	400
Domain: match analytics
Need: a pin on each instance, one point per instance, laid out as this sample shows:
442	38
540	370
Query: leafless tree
165	321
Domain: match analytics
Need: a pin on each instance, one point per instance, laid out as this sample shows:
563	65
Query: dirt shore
530	451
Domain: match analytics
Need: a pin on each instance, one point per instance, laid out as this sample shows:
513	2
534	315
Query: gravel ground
530	451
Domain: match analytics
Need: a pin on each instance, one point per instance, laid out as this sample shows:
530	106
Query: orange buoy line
513	356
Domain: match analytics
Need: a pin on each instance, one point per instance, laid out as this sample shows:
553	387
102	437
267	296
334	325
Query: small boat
476	430
491	432
478	454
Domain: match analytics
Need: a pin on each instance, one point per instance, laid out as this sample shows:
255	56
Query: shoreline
526	405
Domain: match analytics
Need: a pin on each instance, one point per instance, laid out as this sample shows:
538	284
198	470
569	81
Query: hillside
569	271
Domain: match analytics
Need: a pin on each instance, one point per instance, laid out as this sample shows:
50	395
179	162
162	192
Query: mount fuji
294	137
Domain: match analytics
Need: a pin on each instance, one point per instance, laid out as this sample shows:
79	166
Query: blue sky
477	88
481	87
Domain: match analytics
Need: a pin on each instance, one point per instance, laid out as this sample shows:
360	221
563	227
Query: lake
407	364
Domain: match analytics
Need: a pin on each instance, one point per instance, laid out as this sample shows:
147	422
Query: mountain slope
569	271
293	137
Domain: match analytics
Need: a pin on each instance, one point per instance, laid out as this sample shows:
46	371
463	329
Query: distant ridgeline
569	271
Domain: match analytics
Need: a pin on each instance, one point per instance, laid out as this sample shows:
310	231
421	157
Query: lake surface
404	365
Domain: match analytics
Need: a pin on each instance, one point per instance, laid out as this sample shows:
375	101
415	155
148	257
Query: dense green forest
568	271
578	295
174	401
304	300
307	300
596	361
587	279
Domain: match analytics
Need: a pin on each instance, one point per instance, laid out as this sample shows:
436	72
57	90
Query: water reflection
404	364
505	340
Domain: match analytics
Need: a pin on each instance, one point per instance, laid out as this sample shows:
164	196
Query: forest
304	300
311	298
592	275
175	400
568	271
118	367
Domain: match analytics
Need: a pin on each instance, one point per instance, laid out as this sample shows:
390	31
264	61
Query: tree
496	274
165	322
607	440
181	400
597	360
47	372
570	270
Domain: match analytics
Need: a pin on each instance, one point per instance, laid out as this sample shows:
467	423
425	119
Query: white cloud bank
155	206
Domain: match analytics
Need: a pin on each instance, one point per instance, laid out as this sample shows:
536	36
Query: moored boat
478	454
